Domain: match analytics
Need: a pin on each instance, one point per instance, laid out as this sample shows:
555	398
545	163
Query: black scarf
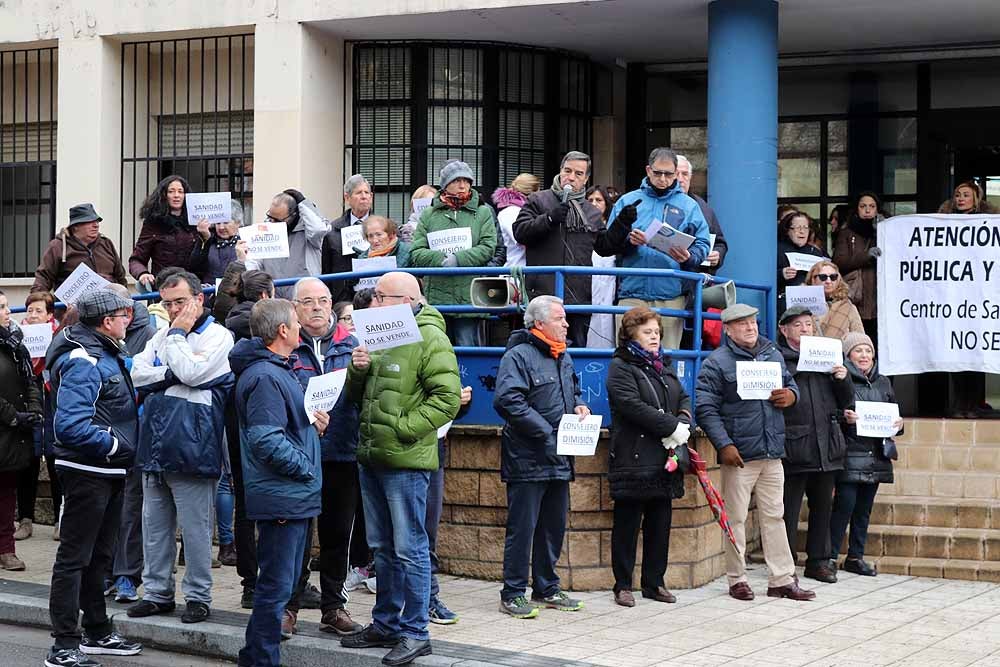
12	338
861	227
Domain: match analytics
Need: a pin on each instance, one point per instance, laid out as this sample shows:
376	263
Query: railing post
560	286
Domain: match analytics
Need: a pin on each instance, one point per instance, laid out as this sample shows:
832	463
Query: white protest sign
663	237
801	261
578	437
386	327
351	237
810	296
875	419
818	354
755	380
939	294
420	204
372	264
82	280
443	431
267	240
212	206
323	391
711	247
37	338
450	241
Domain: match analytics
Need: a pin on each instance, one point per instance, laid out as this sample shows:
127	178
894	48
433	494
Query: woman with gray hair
215	247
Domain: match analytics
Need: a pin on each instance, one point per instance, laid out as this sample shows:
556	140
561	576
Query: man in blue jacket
96	433
659	198
282	468
749	435
183	378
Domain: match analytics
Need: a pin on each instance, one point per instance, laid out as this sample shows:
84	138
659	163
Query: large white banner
939	294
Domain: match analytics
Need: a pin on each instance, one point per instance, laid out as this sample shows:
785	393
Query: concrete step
950	432
970	570
925	542
974	485
947	457
937	512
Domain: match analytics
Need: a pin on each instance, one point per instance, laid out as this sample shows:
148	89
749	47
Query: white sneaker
356	577
370	584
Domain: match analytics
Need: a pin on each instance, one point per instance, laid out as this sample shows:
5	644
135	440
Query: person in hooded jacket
165	239
96	436
536	385
80	242
814	444
650	417
281	465
857	256
866	465
508	203
306	230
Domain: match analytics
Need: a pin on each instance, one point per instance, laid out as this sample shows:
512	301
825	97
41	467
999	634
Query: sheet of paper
810	296
386	327
372	264
755	380
818	354
711	247
353	240
212	206
420	204
443	431
323	391
37	338
875	419
450	241
83	279
801	261
576	437
666	237
266	240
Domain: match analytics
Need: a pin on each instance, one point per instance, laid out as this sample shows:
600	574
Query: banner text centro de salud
939	294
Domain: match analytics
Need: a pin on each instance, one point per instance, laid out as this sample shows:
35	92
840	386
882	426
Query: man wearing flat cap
96	431
80	242
749	435
815	448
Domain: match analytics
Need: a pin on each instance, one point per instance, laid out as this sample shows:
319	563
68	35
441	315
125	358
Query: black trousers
818	486
579	325
244	530
653	517
89	530
360	555
27	489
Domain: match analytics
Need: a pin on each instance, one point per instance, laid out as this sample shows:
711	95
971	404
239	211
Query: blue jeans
395	510
852	504
280	545
463	331
536	524
225	502
435	504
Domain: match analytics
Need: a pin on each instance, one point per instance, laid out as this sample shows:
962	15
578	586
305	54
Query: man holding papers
536	386
659	199
742	390
406	393
814	443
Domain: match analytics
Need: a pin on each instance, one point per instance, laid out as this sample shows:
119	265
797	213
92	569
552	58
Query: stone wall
471	535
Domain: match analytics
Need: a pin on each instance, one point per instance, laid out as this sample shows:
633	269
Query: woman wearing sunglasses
843	316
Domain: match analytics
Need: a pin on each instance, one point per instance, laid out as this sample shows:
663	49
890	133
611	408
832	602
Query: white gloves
679	438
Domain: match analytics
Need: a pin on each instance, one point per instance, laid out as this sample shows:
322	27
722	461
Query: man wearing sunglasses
659	199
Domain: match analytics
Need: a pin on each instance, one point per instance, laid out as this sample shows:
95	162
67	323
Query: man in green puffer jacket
406	394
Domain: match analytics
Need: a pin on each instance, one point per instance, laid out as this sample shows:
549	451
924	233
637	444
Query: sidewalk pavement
886	620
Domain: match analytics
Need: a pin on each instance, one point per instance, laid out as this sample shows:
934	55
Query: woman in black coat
866	466
650	413
20	412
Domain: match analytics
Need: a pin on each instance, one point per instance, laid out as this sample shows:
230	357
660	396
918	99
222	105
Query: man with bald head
405	394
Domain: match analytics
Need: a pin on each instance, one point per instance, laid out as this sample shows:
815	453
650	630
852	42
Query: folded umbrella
715	501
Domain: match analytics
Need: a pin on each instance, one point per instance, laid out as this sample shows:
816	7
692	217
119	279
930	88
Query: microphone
567	189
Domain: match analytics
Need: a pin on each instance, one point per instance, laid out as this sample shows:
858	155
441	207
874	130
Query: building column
743	137
299	93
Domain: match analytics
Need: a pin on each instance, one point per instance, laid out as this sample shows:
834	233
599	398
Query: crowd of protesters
188	416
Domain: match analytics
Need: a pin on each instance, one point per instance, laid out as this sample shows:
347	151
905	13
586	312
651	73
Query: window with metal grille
187	109
28	97
503	109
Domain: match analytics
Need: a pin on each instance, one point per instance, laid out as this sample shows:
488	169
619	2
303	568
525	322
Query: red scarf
555	347
456	202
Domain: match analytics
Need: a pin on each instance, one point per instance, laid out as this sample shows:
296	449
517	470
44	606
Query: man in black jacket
337	254
717	252
814	444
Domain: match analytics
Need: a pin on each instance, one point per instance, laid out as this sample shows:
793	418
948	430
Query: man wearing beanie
440	239
80	242
559	227
96	433
749	435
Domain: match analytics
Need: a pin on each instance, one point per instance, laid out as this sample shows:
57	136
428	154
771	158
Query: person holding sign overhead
743	387
814	443
650	420
306	229
536	386
215	248
80	242
795	255
869	459
166	238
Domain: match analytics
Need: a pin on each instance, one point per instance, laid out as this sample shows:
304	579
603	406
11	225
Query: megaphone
496	292
719	296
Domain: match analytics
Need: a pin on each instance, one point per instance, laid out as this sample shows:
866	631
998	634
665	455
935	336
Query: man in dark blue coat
282	468
536	386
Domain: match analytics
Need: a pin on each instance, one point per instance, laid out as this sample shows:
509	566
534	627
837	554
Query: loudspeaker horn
719	296
492	292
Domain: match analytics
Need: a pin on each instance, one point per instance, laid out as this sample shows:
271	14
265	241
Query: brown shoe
227	554
24	530
11	562
660	594
792	592
741	591
625	598
339	621
288	621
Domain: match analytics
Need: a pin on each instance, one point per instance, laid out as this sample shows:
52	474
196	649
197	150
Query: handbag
889	451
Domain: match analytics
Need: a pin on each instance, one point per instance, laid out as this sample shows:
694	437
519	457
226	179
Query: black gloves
28	419
558	215
628	215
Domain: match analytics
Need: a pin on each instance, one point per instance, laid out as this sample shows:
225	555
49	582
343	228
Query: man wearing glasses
183	377
659	198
